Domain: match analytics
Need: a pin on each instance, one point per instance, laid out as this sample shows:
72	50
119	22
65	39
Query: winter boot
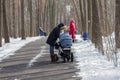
56	57
52	58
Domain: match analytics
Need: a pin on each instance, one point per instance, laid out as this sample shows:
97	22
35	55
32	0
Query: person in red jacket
72	29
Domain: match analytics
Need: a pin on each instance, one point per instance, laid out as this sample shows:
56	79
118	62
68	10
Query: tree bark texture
5	26
22	21
117	27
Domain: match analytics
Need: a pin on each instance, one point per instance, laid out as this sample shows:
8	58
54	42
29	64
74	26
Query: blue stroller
64	47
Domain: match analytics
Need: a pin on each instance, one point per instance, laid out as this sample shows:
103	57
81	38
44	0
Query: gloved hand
56	45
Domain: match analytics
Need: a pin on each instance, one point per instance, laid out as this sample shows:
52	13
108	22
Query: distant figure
85	36
52	38
42	32
72	29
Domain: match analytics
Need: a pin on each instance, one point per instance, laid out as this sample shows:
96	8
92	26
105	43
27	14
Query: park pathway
32	62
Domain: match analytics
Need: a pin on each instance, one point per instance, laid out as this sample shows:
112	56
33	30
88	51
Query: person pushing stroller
51	40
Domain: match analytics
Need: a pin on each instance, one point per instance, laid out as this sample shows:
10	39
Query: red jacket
72	29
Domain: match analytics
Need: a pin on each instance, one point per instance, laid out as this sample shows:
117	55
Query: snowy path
32	62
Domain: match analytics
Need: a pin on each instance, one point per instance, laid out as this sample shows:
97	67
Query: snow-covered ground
9	48
92	65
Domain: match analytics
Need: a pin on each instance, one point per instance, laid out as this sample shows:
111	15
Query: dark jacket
54	35
51	40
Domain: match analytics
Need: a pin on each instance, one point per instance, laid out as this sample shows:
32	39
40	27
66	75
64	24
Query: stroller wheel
56	57
64	60
68	58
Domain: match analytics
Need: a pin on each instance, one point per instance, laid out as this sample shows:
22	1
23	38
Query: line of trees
22	18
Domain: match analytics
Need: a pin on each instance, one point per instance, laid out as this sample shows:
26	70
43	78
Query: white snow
36	57
92	65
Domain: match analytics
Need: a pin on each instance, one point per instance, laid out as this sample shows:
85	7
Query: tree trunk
5	27
99	32
86	15
94	21
31	19
22	20
77	13
76	10
117	27
90	19
14	26
38	17
0	27
44	14
51	14
19	18
83	14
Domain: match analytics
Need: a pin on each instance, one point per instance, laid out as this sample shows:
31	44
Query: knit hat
60	25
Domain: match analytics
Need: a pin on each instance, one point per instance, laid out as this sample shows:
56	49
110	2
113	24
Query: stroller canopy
65	40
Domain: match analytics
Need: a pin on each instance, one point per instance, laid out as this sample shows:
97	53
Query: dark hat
60	25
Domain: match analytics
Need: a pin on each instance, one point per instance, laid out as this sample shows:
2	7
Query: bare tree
44	13
5	27
97	37
77	11
51	13
19	19
14	22
0	27
117	27
22	20
83	14
90	19
99	29
38	16
31	20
